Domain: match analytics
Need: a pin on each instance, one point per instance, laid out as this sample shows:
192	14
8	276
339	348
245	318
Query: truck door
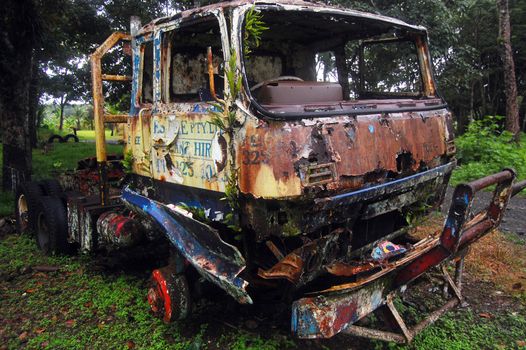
181	129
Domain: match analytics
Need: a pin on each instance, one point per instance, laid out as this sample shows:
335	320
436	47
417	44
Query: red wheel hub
168	295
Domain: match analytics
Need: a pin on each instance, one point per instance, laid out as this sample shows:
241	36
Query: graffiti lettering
255	157
197	128
185	168
181	148
202	149
207	172
158	128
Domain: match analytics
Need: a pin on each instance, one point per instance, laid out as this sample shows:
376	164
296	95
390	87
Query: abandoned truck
278	149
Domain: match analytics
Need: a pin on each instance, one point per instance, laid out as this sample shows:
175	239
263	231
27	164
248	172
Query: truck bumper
336	309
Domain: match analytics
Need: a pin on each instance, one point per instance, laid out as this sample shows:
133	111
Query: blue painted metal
136	71
324	316
201	245
388	188
165	192
157	69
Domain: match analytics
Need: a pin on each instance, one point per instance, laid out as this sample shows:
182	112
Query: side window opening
390	67
326	67
147	72
185	51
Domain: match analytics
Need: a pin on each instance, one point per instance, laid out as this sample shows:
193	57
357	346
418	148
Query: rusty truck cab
339	128
277	162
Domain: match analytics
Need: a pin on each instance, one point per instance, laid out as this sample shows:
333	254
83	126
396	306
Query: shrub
485	149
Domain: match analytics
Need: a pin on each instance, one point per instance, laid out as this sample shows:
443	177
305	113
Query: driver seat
290	92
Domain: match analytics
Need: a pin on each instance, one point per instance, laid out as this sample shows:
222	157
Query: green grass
462	329
65	156
44	134
77	308
73	308
90	135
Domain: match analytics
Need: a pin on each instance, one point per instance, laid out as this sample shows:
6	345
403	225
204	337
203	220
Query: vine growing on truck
224	115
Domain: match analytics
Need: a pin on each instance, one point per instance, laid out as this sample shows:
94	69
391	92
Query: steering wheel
281	78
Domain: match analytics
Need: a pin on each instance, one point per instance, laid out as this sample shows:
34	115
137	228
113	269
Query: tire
87	163
52	139
52	188
27	200
169	295
71	136
52	226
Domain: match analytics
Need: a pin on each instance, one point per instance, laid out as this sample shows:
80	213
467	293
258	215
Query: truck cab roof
280	4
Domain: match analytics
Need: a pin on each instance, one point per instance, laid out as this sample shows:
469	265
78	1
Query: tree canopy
463	35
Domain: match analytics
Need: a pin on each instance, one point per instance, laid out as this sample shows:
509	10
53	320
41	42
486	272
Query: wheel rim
168	295
23	212
43	233
159	297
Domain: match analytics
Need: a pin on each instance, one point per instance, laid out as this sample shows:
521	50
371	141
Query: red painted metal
158	296
519	186
458	232
168	294
118	229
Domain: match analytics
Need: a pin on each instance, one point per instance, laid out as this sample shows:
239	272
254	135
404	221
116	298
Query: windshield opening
307	58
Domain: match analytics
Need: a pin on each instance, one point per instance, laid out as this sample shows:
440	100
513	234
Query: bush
485	149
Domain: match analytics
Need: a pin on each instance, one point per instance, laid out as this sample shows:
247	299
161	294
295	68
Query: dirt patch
498	258
501	259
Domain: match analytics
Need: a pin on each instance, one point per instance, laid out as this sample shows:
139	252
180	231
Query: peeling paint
319	181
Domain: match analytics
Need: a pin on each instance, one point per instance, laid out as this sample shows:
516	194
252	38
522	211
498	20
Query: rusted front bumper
336	309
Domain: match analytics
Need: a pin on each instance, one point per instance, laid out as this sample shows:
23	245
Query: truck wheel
52	226
52	139
71	136
52	187
26	206
169	295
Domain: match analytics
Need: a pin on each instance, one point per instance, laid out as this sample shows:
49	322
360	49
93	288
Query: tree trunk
17	38
63	101
512	109
33	105
472	101
482	98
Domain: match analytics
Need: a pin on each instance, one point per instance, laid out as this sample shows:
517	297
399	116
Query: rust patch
283	154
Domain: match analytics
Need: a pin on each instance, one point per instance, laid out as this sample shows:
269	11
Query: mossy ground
88	305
